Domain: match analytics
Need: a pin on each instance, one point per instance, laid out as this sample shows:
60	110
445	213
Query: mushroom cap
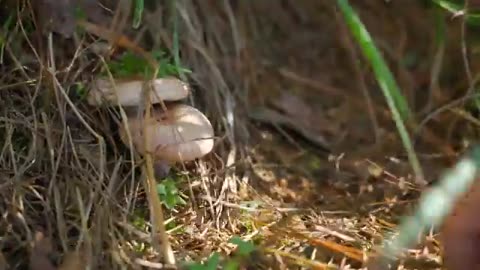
129	92
182	133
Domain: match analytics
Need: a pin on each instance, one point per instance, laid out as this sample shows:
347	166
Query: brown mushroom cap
129	92
182	133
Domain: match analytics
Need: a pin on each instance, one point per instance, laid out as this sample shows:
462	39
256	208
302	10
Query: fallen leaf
56	16
293	106
3	262
60	16
73	261
39	256
269	116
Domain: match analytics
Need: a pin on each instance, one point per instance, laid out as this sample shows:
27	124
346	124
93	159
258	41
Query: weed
139	220
81	90
169	193
211	264
130	64
244	249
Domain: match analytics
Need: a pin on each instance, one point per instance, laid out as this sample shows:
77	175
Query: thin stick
155	204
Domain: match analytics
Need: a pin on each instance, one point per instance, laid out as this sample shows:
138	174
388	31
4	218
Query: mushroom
182	133
129	92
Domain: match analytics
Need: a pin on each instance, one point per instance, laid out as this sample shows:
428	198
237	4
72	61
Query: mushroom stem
161	168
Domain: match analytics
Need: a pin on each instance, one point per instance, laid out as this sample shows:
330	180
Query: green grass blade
440	28
175	39
395	100
138	12
380	68
433	206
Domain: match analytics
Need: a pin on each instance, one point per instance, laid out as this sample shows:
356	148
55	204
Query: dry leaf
56	16
302	113
3	262
59	15
274	117
39	257
293	106
73	261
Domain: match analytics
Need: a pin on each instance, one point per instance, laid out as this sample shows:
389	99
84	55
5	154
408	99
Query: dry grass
64	171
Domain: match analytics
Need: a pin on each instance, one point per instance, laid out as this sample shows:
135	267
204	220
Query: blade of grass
440	40
433	207
138	12
370	51
395	100
3	35
175	45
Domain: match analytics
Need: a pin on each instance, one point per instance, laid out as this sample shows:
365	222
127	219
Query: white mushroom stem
182	133
161	169
129	92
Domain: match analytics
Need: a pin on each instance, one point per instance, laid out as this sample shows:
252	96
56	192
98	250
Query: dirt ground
307	163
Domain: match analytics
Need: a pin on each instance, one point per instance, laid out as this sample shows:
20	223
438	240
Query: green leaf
80	90
169	193
213	261
130	64
180	200
232	265
170	201
211	264
244	248
161	189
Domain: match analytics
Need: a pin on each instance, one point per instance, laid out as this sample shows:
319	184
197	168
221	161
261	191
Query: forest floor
307	166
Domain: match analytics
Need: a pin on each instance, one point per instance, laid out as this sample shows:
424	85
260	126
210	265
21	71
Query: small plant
130	64
244	249
211	264
80	90
169	193
139	219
